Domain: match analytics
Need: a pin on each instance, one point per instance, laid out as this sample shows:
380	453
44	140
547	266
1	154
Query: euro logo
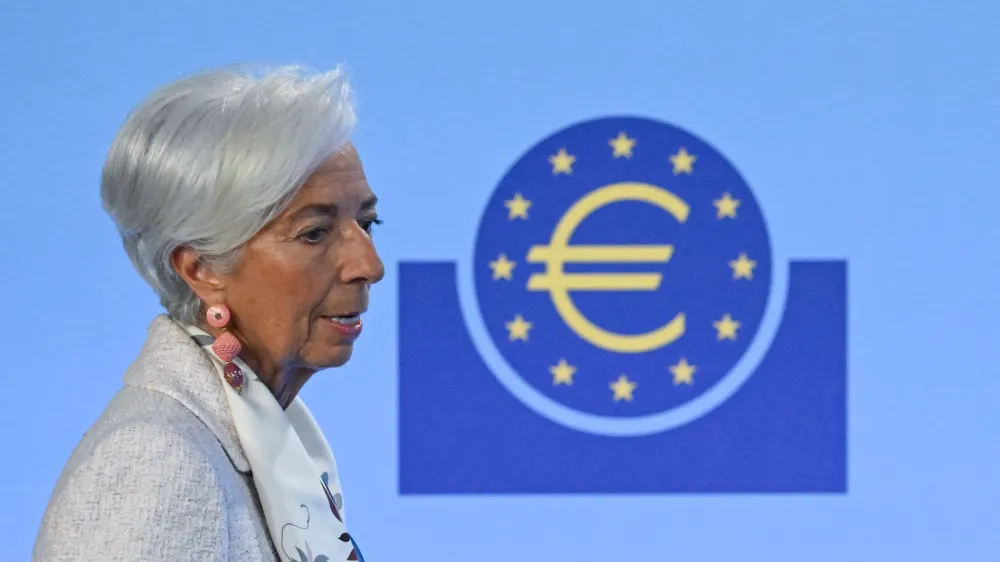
624	308
559	284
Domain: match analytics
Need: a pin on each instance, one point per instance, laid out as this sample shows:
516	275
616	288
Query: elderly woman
242	203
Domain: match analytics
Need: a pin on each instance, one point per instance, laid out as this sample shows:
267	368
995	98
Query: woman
240	200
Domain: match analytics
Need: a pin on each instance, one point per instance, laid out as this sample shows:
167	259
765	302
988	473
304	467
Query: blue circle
700	280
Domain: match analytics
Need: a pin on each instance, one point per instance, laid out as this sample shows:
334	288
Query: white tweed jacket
161	475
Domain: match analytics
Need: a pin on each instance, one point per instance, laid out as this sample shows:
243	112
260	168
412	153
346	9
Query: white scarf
293	469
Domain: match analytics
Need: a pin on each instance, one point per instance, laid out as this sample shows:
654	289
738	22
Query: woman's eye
315	236
368	224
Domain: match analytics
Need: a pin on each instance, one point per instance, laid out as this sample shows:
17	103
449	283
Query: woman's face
299	287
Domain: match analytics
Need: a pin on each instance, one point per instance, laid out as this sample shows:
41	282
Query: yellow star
743	267
683	162
562	162
517	208
727	206
726	328
517	329
682	372
623	388
622	145
562	373
502	268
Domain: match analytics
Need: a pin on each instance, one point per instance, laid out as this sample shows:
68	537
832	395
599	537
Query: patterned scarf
293	469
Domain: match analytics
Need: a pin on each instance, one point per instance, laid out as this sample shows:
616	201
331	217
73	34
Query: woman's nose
362	263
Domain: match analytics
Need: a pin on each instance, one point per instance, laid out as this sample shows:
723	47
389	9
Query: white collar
294	471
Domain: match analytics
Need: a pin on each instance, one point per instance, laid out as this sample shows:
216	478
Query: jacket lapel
171	363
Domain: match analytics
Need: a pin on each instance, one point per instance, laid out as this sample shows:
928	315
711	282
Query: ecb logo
623	323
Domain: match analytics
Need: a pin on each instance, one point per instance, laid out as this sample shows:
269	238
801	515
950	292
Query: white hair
208	160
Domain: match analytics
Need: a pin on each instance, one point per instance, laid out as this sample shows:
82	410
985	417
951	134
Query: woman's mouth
346	325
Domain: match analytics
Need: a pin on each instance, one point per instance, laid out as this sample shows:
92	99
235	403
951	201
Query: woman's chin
335	356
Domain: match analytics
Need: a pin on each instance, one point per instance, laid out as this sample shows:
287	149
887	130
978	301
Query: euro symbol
558	252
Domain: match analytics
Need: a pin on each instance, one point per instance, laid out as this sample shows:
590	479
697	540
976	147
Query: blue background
867	129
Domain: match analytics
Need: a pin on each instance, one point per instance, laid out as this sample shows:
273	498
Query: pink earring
226	346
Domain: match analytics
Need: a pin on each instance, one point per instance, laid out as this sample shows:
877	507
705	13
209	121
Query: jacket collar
173	364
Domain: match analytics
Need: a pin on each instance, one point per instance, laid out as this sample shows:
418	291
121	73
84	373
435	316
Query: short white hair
207	161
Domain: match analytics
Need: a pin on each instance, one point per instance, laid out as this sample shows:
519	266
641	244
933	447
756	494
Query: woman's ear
204	281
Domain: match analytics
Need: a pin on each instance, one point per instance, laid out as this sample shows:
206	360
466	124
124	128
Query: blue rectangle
784	430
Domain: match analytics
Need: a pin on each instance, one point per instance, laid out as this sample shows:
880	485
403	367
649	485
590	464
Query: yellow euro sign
558	252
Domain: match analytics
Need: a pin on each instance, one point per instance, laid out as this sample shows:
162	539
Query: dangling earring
226	346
